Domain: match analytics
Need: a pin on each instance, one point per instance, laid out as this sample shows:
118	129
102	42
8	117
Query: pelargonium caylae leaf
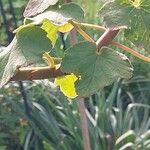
95	70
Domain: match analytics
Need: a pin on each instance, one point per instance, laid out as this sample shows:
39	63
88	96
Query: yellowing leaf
65	28
51	30
66	84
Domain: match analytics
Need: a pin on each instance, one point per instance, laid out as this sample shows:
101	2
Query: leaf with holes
95	70
133	14
27	47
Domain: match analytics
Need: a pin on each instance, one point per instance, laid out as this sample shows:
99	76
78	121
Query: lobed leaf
27	47
97	70
133	14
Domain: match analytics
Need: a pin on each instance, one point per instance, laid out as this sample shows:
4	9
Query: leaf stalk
131	51
107	37
93	26
83	33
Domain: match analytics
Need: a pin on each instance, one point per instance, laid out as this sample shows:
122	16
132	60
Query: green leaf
32	41
73	11
133	14
35	7
95	70
61	15
27	47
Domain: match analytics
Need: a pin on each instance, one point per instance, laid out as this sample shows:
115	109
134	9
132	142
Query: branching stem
84	34
107	37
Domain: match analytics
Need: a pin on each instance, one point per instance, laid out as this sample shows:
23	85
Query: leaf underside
133	14
95	71
27	47
35	7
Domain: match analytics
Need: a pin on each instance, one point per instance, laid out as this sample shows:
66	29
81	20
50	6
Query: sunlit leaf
35	7
52	29
65	27
97	70
66	84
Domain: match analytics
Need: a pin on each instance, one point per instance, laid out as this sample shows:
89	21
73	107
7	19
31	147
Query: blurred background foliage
36	116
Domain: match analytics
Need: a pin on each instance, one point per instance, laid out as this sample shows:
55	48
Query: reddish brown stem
107	37
81	106
84	124
72	37
36	73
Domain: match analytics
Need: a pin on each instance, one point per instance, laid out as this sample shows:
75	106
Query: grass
54	120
